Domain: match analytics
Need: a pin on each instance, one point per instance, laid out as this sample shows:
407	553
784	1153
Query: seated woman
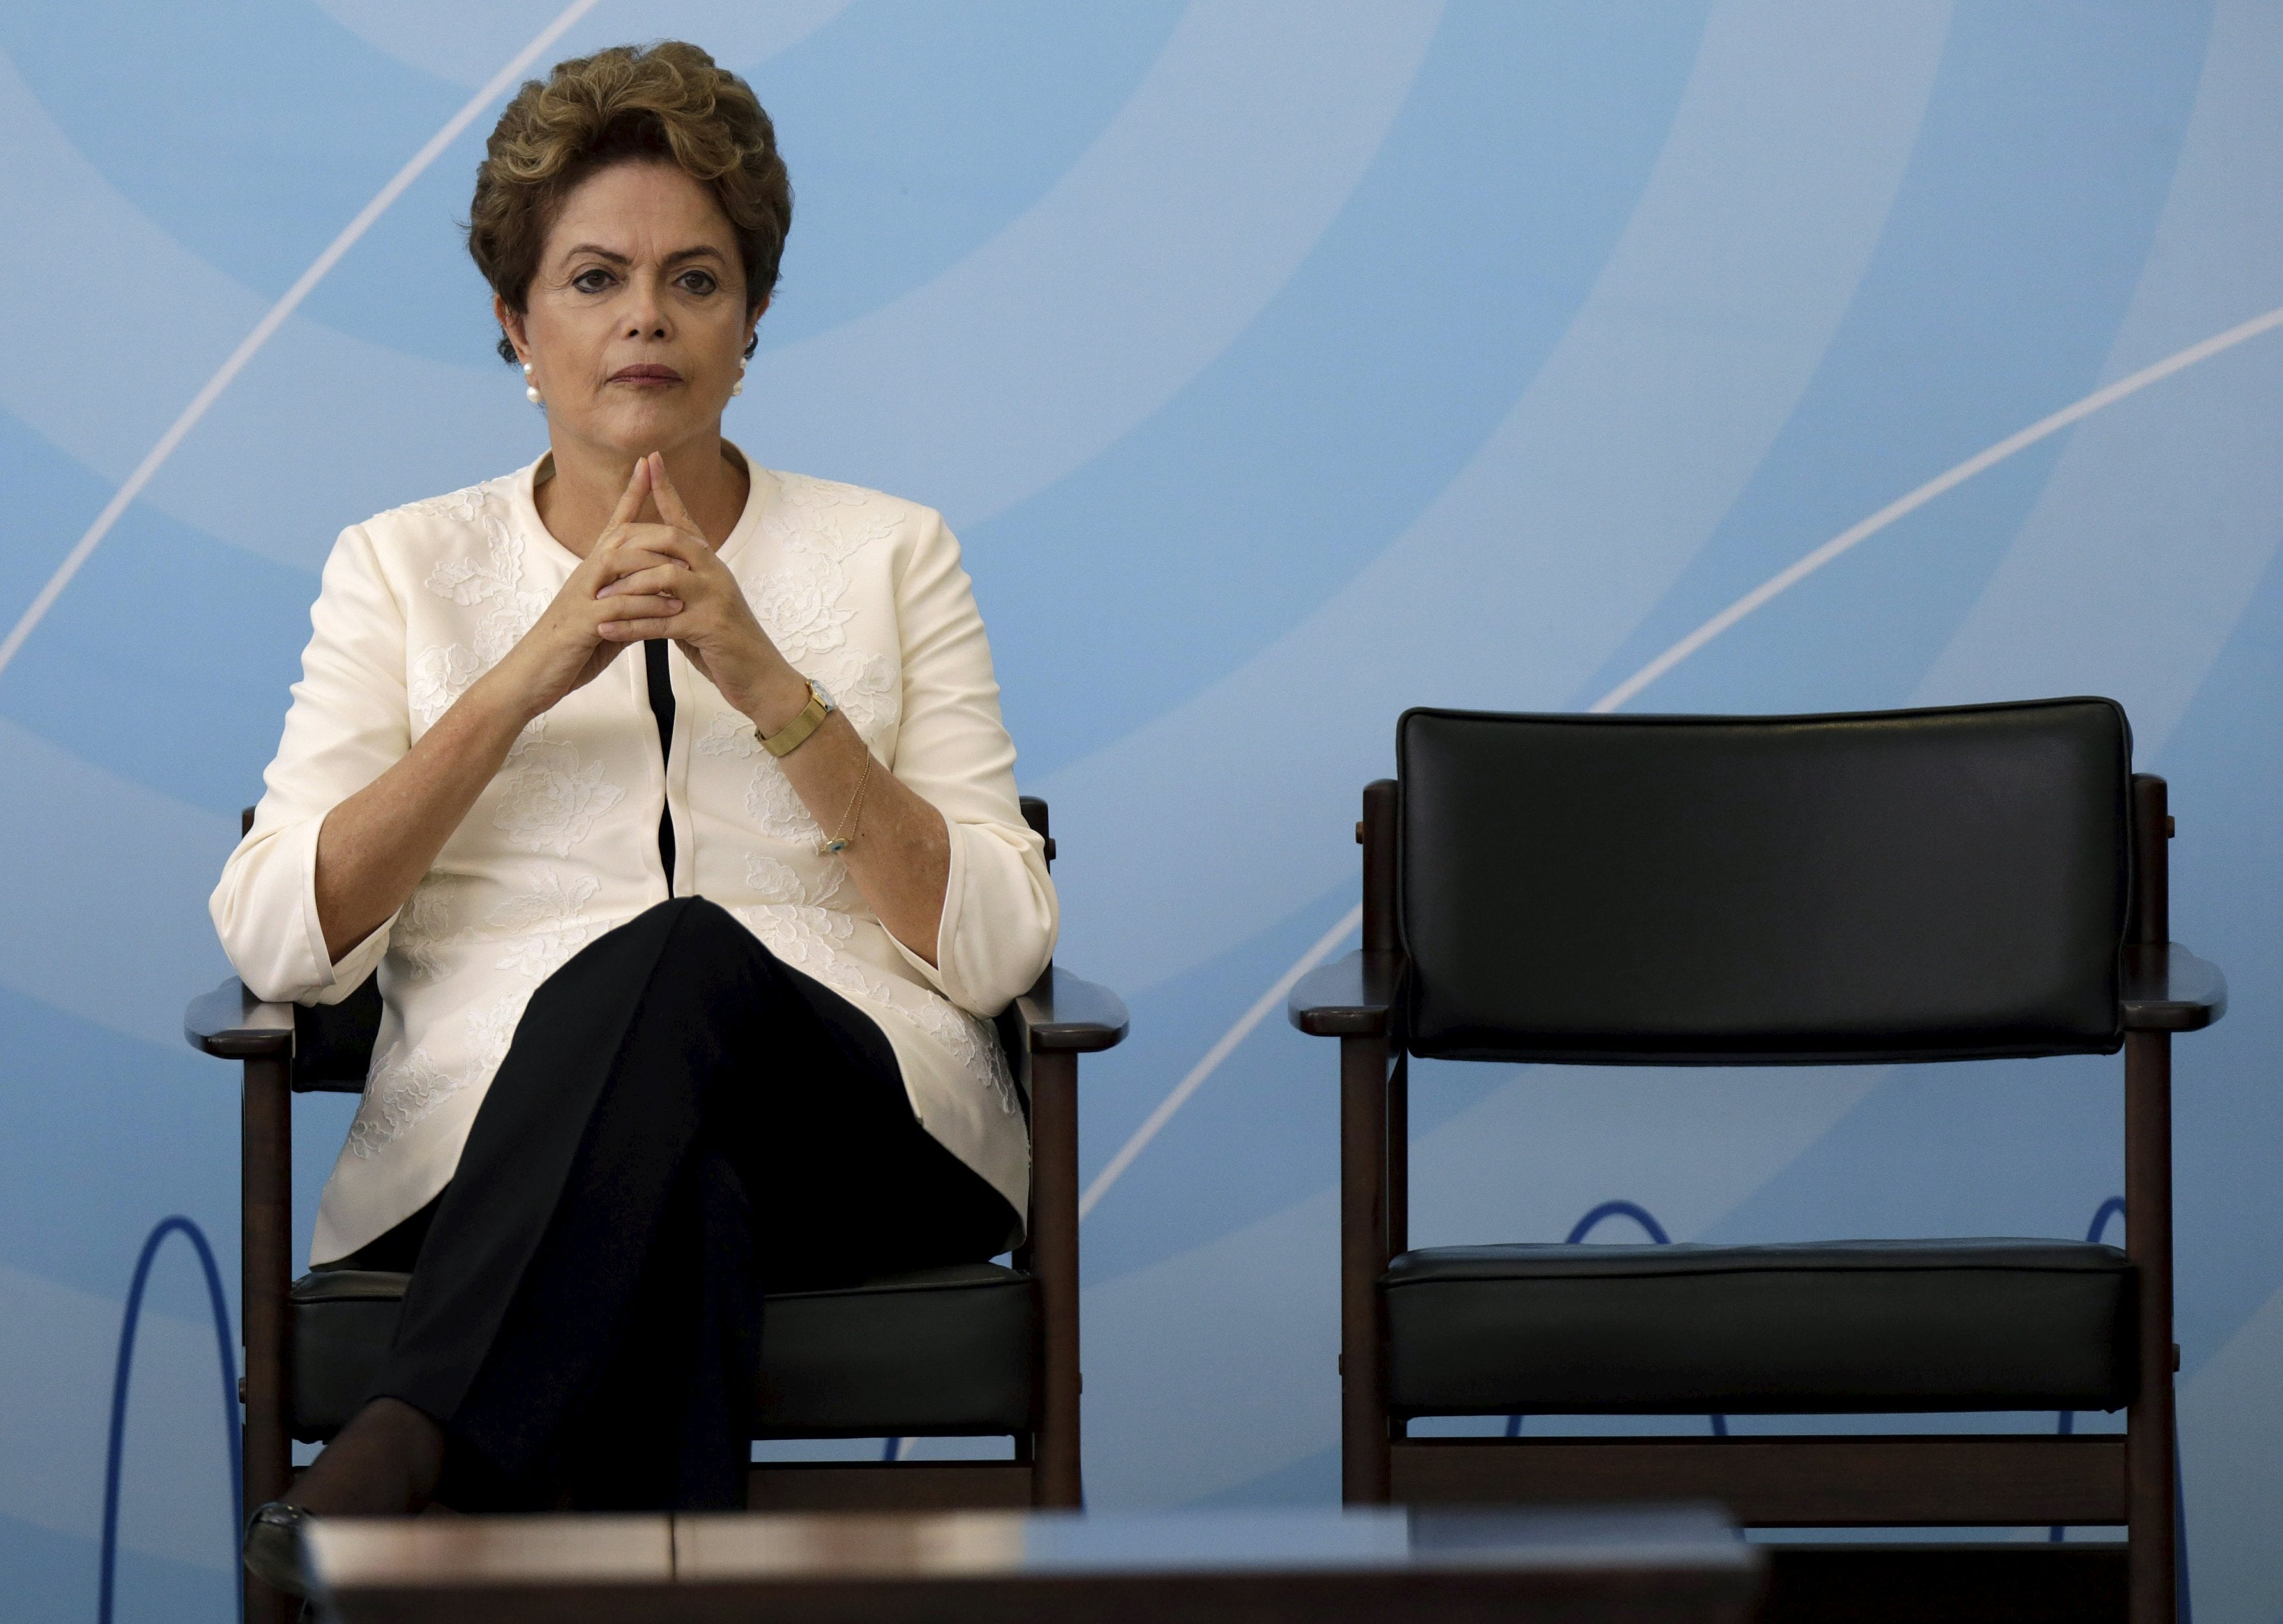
685	958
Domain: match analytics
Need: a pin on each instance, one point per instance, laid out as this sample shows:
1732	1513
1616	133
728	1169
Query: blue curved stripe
1993	1147
970	114
250	135
2225	765
85	1109
2028	1147
168	662
52	1576
1357	393
225	1357
1255	1140
2012	253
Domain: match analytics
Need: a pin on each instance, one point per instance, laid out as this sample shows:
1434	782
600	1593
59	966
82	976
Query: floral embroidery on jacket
496	579
547	926
776	881
772	802
728	733
864	688
798	604
800	518
460	507
422	929
550	798
469	581
439	675
402	1091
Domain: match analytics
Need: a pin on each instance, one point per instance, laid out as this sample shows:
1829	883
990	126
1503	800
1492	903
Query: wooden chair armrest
233	1025
2167	989
1354	997
1065	1015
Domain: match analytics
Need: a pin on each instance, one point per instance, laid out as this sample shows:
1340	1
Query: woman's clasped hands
646	579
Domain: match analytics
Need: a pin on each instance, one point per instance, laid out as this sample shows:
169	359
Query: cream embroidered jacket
861	592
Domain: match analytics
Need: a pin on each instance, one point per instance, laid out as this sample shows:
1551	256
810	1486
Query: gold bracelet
840	842
795	732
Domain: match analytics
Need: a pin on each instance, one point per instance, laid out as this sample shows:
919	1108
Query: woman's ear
512	323
754	322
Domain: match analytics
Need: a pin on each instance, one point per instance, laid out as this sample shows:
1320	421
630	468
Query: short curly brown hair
665	101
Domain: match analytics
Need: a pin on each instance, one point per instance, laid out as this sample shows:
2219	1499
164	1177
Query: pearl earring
738	387
531	390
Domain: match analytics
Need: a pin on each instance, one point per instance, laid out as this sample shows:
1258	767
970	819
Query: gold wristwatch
795	732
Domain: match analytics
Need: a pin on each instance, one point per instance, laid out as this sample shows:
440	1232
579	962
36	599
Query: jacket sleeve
1000	915
349	722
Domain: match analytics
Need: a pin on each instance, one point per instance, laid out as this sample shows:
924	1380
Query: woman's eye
699	282
593	281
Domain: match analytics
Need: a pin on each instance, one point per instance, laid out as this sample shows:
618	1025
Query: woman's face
635	324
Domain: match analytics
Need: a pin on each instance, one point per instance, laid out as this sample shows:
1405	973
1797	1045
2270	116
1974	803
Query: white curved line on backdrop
272	321
2218	252
1759	597
133	324
1689	354
2132	570
1525	575
1949	478
330	407
1116	1165
457	43
1151	253
106	882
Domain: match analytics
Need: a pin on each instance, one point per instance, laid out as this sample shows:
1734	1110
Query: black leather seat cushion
344	1320
1841	1327
941	1352
1894	885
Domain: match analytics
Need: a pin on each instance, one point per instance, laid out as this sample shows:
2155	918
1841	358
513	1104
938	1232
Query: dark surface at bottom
1637	1596
932	1486
1955	1584
1676	1565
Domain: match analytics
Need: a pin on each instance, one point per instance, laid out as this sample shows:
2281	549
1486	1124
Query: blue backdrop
1281	365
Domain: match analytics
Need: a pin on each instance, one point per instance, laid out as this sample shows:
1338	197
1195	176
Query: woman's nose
646	316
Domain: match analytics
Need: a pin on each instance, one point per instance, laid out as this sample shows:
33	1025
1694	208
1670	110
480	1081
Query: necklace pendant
833	848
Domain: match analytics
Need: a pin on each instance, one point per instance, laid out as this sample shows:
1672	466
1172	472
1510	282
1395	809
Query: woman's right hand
565	649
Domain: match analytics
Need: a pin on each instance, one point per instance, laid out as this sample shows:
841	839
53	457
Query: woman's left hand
715	626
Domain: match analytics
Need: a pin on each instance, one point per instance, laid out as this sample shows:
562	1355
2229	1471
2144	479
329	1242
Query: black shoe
272	1550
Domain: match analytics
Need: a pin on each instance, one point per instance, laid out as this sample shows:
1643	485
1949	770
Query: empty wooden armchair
1958	884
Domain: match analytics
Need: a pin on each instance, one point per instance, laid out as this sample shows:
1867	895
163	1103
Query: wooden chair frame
1046	1030
1959	1481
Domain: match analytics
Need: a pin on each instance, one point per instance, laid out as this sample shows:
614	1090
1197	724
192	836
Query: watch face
824	693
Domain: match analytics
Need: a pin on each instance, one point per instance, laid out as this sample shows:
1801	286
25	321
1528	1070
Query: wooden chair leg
2149	1440
1057	1477
266	1240
1399	1156
1363	1259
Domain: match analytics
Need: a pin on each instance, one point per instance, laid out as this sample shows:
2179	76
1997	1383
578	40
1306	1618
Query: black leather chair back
1909	885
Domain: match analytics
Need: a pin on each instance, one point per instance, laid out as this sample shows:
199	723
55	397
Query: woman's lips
646	374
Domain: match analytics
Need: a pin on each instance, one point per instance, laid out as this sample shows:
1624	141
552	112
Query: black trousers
681	1122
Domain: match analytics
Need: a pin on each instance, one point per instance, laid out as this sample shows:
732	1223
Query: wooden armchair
976	1350
1982	883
